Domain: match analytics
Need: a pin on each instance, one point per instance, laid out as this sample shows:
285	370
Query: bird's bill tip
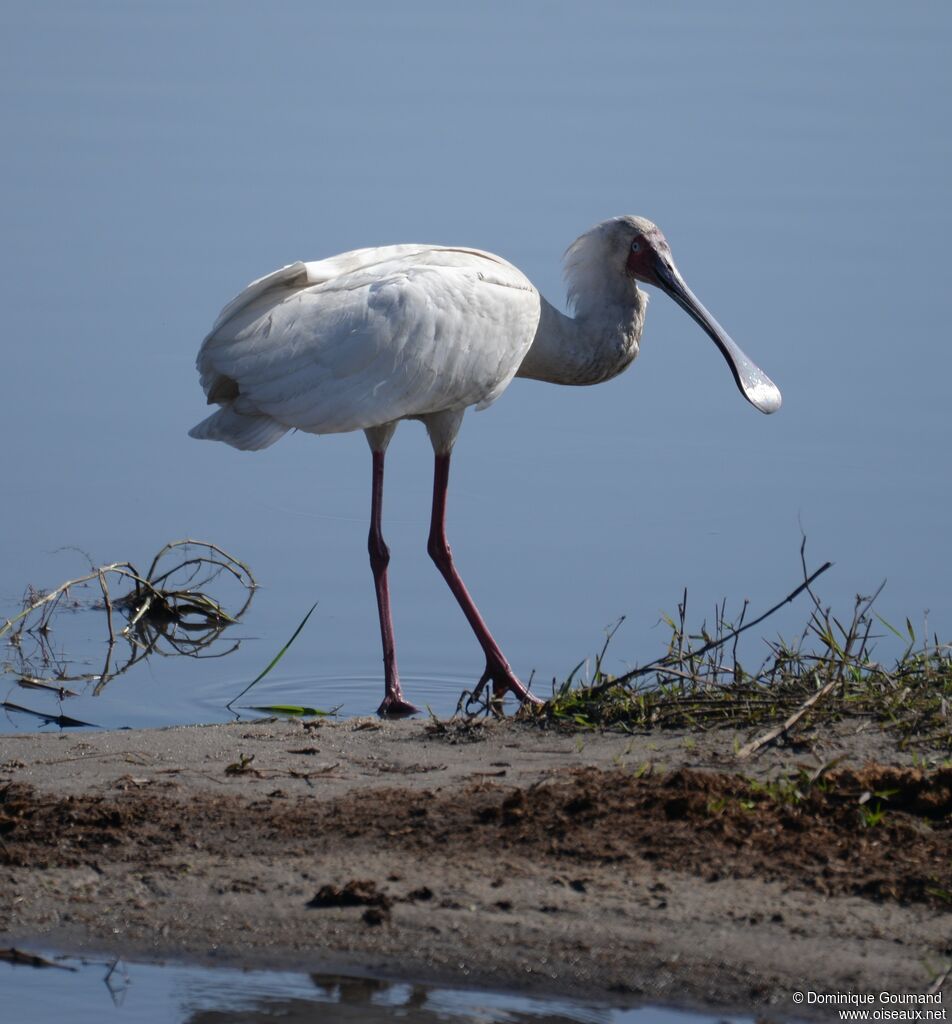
763	394
752	382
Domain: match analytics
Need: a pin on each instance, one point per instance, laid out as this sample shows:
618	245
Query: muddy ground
651	867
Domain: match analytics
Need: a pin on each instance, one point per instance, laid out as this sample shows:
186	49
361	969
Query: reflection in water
154	993
376	1001
177	608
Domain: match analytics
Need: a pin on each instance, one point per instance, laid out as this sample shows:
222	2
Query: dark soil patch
882	833
356	893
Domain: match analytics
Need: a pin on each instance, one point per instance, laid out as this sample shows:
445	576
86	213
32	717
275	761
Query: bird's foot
525	698
395	705
503	681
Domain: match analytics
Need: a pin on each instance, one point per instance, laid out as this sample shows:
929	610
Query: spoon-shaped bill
754	384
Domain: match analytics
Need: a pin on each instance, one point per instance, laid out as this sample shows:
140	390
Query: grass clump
829	672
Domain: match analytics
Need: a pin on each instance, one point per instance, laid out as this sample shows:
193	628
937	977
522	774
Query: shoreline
596	865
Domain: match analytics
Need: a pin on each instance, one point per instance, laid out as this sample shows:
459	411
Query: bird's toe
395	706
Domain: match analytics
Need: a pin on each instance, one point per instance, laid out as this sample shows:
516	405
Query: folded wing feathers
364	338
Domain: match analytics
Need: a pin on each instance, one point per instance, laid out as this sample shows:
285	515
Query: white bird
365	339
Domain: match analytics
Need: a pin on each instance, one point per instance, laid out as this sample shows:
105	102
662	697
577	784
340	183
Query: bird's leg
394	702
497	668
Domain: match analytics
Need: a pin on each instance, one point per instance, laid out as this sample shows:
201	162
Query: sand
638	868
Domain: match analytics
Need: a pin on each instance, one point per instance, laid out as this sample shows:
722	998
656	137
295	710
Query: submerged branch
167	605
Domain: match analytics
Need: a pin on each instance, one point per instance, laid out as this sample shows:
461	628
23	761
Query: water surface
159	157
182	994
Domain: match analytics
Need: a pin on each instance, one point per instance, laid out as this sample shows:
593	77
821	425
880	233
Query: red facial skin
641	265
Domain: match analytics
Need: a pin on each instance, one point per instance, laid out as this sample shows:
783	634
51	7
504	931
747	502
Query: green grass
700	683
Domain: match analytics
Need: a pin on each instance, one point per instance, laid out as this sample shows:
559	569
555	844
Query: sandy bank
644	867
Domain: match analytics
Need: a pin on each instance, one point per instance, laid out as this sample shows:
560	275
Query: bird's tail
247	432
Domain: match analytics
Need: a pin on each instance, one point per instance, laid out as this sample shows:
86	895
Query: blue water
157	157
98	990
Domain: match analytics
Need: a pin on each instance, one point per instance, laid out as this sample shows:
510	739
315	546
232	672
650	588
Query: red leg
497	668
394	702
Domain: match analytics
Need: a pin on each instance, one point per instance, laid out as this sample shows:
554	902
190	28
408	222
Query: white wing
363	339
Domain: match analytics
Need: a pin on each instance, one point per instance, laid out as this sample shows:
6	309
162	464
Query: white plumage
366	338
363	340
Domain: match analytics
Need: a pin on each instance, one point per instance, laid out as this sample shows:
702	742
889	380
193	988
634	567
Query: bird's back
365	338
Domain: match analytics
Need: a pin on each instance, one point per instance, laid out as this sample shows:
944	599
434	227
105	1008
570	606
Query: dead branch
167	605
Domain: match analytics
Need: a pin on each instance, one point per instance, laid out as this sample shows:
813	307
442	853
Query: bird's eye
636	246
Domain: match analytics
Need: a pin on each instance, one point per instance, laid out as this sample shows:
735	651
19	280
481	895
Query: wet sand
651	867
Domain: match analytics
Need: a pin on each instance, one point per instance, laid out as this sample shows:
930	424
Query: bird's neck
596	345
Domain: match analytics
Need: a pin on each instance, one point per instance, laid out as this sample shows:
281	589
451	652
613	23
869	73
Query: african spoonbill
365	339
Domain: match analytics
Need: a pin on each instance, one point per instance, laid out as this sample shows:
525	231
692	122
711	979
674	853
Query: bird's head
646	249
636	249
